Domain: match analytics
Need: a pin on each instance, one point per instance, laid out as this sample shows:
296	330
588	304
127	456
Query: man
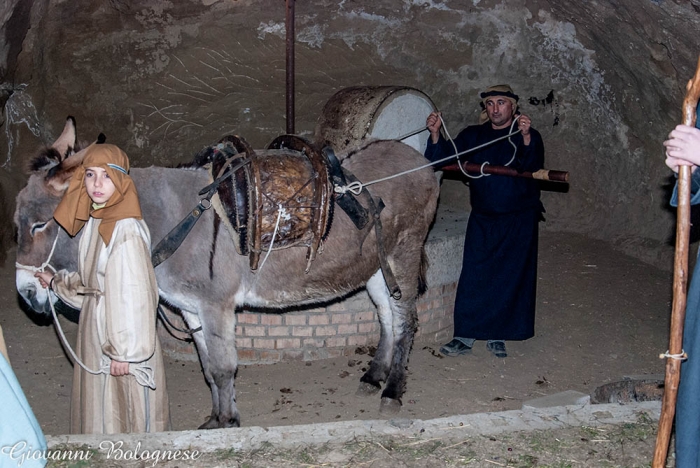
496	291
683	149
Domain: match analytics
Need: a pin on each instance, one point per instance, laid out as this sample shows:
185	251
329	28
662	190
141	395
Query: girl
123	389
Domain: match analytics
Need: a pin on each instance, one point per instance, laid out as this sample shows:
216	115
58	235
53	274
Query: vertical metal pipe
290	65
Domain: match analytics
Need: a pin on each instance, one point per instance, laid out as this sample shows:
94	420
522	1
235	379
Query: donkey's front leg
193	322
219	336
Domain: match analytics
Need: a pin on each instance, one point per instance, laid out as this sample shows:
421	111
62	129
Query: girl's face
98	185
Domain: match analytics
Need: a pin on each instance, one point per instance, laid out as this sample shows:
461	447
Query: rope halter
44	265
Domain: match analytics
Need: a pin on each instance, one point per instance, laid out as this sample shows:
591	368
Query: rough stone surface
603	82
566	398
484	424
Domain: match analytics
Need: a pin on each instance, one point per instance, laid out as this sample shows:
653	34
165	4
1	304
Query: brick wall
323	332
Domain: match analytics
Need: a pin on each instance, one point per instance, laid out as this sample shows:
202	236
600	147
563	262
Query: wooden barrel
355	115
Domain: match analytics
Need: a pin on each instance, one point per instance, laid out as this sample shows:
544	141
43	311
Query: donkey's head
42	242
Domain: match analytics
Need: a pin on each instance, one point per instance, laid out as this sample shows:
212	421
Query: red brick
294	319
341	318
302	331
248	318
365	316
358	340
270	319
292	355
350	329
428	328
325	331
264	343
278	331
422	306
270	356
284	343
336	342
318	320
314	342
367	327
254	330
242	343
248	355
239	330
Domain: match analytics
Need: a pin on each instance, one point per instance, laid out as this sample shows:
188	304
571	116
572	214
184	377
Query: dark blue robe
497	286
688	402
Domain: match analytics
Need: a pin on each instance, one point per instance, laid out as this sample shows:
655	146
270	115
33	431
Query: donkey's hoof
232	422
367	389
210	423
389	406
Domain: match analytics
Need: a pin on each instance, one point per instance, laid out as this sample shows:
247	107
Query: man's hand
118	368
683	147
434	122
524	124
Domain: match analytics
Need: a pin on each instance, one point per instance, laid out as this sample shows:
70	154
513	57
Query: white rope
142	373
481	170
680	357
64	341
280	210
356	187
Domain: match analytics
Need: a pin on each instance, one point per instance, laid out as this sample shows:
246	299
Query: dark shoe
497	347
457	347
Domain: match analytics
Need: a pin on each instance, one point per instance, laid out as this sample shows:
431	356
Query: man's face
500	111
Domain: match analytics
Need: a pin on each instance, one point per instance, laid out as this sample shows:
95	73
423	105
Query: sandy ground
601	316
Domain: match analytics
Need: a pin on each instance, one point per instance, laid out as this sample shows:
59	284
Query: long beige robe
115	290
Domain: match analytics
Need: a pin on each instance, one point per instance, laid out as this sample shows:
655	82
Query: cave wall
603	81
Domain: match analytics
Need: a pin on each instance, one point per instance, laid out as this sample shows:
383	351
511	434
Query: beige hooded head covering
76	206
503	90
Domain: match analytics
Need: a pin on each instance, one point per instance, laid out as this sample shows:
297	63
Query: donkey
207	280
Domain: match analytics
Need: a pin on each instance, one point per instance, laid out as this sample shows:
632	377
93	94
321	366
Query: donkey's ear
66	143
58	177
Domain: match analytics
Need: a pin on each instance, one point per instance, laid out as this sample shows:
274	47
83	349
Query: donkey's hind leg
370	383
405	316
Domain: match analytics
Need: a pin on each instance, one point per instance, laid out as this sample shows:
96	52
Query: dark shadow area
545	185
668	187
42	319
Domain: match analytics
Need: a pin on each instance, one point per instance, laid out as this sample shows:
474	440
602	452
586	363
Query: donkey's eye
37	227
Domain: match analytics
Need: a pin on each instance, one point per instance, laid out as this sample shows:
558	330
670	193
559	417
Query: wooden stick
680	283
542	174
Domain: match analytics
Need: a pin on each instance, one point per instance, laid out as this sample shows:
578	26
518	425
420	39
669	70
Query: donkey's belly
299	292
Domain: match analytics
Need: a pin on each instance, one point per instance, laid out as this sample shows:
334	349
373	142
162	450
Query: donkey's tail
424	262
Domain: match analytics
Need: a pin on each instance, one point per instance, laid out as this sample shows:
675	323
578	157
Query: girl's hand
118	368
44	278
683	147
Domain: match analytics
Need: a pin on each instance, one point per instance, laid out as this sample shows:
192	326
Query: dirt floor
600	316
